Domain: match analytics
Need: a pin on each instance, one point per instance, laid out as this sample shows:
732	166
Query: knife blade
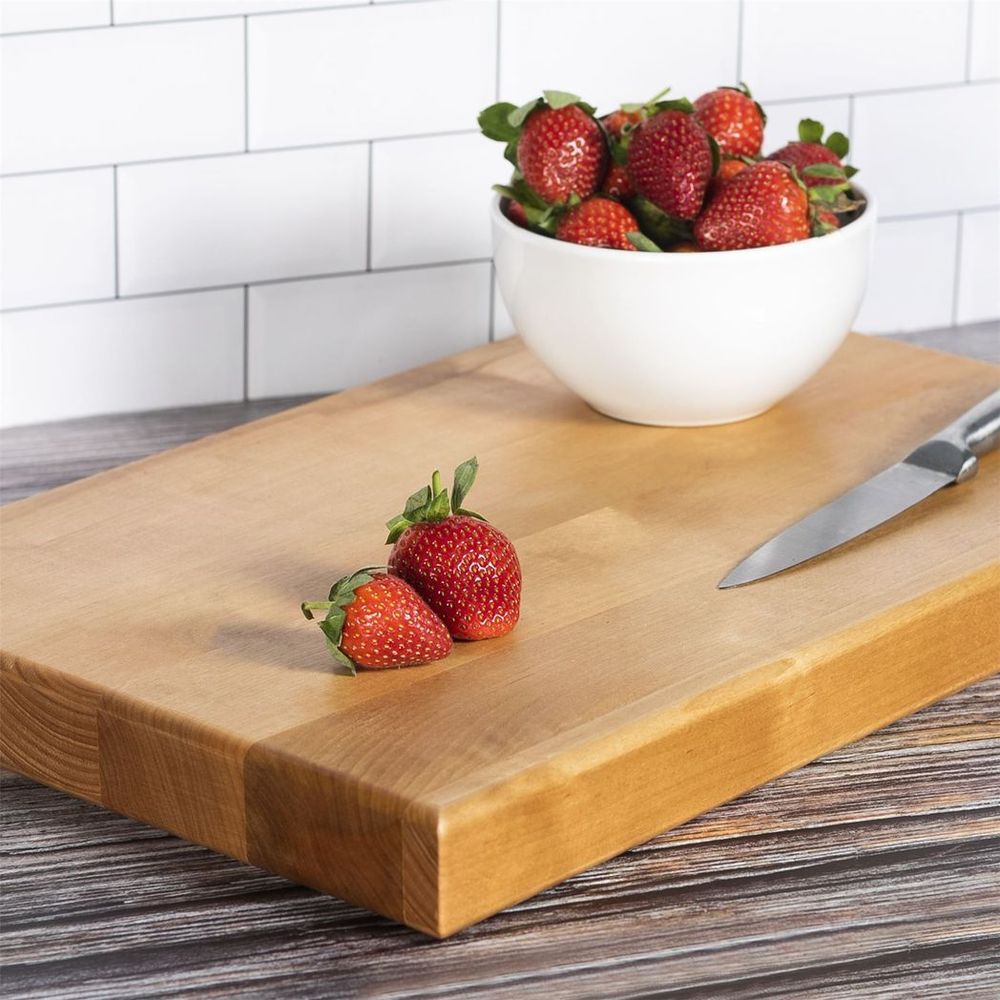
949	457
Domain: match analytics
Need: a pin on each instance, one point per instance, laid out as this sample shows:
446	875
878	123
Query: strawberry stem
436	485
308	607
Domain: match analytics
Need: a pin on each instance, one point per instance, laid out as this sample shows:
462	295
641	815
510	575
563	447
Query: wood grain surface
958	797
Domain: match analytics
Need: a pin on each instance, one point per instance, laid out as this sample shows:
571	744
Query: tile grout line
114	224
850	125
246	84
956	284
246	342
433	135
491	299
241	152
939	214
496	68
197	20
261	283
368	216
968	40
739	43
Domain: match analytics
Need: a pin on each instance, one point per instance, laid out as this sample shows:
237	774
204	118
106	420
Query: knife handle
978	429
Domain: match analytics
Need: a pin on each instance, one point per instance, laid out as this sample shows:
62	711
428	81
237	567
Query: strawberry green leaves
465	476
494	122
642	242
812	131
342	595
432	503
540	215
662	229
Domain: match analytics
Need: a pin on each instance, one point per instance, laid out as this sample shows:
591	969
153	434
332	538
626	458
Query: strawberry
515	212
670	161
733	118
598	222
554	141
617	183
562	152
618	124
463	567
375	620
728	169
818	163
762	206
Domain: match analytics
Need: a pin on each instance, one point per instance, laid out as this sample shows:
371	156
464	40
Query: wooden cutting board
155	660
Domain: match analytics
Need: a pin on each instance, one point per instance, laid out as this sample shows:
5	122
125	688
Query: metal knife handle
978	429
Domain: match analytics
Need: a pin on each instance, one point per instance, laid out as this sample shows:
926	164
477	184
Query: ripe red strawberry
810	151
616	121
728	169
515	212
463	567
562	151
826	221
618	124
733	118
375	620
670	162
554	141
806	154
617	183
762	206
598	222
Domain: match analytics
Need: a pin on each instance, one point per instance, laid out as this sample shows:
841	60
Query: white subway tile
979	277
331	333
985	53
503	325
57	240
46	15
913	274
137	11
116	94
843	46
112	357
613	52
373	71
431	198
234	219
929	150
783	119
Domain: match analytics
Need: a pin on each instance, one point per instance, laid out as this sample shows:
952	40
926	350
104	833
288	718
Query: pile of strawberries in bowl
669	175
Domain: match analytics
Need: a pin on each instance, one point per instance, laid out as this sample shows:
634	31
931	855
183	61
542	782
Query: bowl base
680	423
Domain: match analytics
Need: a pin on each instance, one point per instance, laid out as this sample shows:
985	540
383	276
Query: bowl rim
862	223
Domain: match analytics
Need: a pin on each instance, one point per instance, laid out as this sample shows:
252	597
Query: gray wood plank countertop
873	872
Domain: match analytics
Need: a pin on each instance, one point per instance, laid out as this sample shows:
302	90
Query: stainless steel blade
859	510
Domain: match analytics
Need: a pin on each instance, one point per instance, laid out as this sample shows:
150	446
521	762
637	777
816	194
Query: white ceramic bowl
683	339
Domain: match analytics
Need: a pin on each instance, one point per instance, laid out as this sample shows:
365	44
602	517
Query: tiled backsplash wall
204	200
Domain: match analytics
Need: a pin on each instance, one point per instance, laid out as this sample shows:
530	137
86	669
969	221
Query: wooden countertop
873	871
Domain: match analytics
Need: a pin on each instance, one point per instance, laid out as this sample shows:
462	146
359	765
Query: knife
950	457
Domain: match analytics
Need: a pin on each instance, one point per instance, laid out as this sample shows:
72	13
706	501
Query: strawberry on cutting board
463	567
555	143
378	621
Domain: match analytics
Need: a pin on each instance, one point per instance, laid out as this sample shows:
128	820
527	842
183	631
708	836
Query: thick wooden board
155	661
